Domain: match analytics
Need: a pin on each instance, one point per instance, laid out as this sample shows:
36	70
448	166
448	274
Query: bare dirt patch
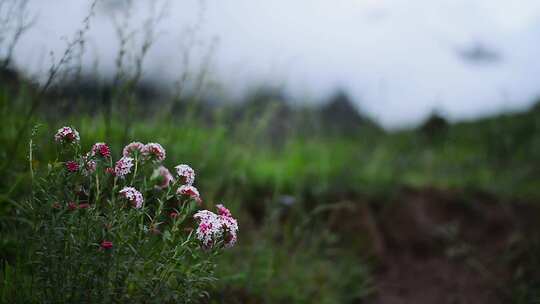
435	246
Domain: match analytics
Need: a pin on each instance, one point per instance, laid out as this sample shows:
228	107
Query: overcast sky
399	59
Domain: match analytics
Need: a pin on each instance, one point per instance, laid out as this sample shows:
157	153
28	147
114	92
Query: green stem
113	192
136	168
97	188
30	159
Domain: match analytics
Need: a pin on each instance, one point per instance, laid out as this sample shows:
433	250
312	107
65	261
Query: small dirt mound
444	247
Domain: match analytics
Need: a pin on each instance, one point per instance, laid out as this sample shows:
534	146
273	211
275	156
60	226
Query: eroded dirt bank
435	246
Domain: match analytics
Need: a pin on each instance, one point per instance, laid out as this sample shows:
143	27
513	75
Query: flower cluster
123	166
89	166
133	196
185	174
118	203
223	211
67	135
153	152
101	150
189	191
72	166
165	176
215	228
133	149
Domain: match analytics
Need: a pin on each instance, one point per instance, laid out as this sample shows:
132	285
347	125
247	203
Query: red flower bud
72	166
105	151
106	245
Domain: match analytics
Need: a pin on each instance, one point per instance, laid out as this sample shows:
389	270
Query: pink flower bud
223	211
106	245
100	149
190	191
154	152
67	135
72	166
133	149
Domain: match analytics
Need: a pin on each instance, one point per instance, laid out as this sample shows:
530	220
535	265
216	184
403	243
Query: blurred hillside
496	154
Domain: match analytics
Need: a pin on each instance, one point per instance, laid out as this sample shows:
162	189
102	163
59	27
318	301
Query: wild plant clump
117	231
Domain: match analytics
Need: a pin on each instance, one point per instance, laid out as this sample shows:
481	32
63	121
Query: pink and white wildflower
101	150
187	190
123	166
230	234
67	135
133	196
209	230
133	149
229	225
186	174
214	228
89	166
223	211
154	152
165	177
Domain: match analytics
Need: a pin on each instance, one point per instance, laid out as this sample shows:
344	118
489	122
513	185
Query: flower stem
97	188
135	171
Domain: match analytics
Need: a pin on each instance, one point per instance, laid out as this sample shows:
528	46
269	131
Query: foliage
94	237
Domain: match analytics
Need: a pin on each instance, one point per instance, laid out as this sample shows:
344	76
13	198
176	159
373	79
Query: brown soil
442	247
